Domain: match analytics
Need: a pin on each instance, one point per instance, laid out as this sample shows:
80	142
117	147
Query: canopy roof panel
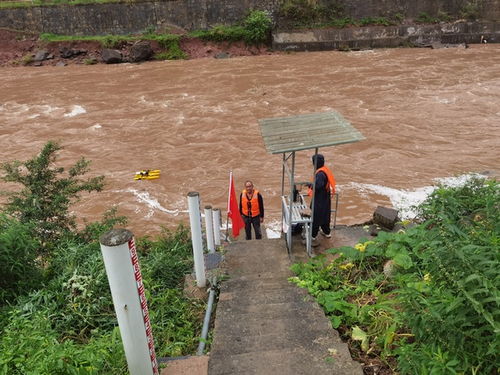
304	132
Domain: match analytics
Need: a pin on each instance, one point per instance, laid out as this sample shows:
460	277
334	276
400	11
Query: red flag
233	210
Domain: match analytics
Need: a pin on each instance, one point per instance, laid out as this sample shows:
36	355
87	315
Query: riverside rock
111	56
140	51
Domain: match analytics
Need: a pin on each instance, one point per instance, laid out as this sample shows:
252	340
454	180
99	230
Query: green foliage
380	21
307	13
221	33
342	22
18	266
424	17
74	314
94	230
47	193
470	10
90	61
438	312
255	28
29	345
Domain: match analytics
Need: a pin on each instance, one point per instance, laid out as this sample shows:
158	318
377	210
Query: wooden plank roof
308	131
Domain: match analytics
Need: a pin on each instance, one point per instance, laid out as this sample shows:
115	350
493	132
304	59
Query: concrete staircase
265	325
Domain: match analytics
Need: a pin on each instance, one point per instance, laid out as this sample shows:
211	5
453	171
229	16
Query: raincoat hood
320	162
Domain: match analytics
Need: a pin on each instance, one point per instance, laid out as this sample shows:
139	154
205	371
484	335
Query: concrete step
289	361
263	311
278	294
274	334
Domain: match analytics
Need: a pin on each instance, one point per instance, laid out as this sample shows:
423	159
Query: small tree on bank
47	193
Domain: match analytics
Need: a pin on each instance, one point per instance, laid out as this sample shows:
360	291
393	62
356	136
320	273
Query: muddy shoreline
20	48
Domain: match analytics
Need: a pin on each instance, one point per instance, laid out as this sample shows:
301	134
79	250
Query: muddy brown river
426	114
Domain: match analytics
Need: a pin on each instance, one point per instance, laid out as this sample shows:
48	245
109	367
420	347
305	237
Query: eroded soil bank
20	49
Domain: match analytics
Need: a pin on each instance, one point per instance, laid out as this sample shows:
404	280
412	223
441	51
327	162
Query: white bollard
216	215
209	229
195	221
127	290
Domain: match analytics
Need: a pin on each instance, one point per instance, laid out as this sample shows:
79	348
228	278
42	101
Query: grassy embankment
56	312
425	300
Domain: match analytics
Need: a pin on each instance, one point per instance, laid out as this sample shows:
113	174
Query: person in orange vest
324	189
252	210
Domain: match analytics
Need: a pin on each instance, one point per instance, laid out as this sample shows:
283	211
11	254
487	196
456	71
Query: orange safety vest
253	201
331	180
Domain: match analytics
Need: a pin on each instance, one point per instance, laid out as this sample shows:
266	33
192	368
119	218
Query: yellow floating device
147	174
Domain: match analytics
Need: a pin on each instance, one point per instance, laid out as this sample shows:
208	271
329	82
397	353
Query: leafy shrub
257	26
18	266
47	194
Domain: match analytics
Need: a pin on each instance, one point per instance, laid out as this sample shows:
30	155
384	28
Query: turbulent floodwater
425	113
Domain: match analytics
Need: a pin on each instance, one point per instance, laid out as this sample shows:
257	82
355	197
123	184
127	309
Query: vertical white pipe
195	221
217	222
127	290
209	229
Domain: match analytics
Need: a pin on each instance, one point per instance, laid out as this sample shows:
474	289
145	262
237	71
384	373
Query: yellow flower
346	266
427	277
360	247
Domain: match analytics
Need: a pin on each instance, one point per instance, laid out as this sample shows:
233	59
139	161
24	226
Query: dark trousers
325	226
255	222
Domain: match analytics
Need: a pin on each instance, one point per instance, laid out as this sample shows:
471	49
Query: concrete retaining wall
487	9
392	36
132	17
124	18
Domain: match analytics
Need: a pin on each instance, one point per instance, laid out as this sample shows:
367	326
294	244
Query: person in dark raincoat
324	189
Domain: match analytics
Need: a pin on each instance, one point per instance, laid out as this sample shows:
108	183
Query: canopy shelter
286	135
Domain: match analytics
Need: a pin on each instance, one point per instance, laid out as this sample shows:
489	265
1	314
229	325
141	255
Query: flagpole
228	208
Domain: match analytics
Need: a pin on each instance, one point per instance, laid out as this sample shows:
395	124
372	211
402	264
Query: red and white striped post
127	290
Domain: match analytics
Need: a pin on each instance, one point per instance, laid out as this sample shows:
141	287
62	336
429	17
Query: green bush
18	265
47	193
257	26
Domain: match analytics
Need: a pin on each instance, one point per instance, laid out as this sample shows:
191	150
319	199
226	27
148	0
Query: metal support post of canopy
286	135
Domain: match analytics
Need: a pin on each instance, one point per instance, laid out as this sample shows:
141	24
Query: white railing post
216	216
209	229
195	221
127	290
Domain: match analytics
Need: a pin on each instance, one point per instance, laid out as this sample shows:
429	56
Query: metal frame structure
286	135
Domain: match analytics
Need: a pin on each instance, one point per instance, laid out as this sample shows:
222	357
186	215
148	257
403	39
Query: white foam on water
152	203
95	127
406	200
77	110
179	120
